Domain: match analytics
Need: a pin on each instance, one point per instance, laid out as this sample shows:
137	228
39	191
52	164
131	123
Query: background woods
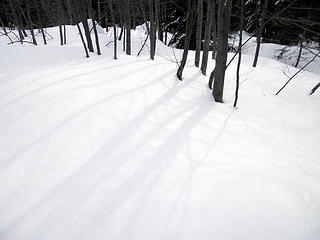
201	25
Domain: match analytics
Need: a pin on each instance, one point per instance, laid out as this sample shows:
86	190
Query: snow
120	149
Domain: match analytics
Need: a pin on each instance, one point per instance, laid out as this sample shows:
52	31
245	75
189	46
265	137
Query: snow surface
120	149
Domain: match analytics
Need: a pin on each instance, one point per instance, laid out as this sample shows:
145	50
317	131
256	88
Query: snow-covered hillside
120	149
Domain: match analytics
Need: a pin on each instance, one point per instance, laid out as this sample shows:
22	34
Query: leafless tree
199	32
241	6
207	34
260	31
224	13
189	25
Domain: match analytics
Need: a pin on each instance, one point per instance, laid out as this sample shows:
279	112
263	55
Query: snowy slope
119	149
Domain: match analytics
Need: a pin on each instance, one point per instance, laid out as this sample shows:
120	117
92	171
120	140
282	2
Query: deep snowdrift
119	149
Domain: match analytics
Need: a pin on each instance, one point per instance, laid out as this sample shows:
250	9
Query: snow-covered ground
120	149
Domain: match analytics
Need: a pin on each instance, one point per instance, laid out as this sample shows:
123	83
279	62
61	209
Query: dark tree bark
240	54
30	24
152	30
190	21
224	13
20	22
94	28
124	40
60	15
110	4
207	33
43	36
157	16
38	9
82	40
16	21
300	51
121	33
96	36
61	35
214	32
199	32
160	33
165	27
144	16
128	28
260	31
83	15
64	34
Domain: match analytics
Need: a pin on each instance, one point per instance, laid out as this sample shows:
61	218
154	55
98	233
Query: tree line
202	25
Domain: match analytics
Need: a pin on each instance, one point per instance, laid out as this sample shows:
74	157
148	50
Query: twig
109	43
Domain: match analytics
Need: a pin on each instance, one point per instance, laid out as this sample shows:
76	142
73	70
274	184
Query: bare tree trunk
82	40
224	13
199	33
64	34
60	19
38	9
83	14
260	31
165	27
214	32
157	17
43	36
152	30
190	20
207	34
124	39
16	21
30	24
121	33
20	23
96	36
61	34
240	54
300	50
94	28
115	42
128	28
110	4
160	33
144	16
123	24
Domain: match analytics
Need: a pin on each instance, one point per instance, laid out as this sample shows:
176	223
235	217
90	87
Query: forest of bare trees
201	25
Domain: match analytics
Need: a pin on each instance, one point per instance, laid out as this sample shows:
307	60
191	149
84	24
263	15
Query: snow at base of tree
120	149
